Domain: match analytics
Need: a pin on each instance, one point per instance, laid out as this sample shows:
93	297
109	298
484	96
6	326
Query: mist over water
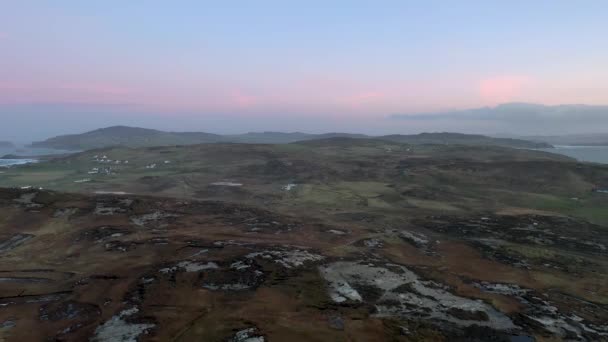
22	151
10	162
593	154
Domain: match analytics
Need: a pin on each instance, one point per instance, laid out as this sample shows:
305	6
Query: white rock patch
117	329
404	294
247	335
226	184
288	259
289	186
190	266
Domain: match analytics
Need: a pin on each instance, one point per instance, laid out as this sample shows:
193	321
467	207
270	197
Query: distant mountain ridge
143	137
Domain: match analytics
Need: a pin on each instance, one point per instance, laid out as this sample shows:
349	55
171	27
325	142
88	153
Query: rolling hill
142	137
463	139
125	136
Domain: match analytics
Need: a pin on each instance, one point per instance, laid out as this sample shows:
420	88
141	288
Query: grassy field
339	175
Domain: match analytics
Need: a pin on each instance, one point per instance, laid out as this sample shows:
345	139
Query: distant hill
429	139
125	136
339	141
266	137
6	144
463	139
422	138
142	137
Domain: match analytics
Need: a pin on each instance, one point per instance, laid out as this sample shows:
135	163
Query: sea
29	155
593	154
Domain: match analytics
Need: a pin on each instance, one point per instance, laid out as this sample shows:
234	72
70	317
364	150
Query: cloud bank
526	118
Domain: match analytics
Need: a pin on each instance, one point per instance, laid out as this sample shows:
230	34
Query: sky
314	66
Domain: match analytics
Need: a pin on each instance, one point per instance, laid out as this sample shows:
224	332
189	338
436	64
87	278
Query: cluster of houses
106	170
105	159
153	165
101	170
109	170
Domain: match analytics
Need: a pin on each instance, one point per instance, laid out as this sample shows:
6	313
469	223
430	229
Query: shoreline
6	163
589	154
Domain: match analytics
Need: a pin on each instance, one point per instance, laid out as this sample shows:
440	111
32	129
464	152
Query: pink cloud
13	86
502	89
3	35
76	88
93	88
363	99
17	92
242	100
